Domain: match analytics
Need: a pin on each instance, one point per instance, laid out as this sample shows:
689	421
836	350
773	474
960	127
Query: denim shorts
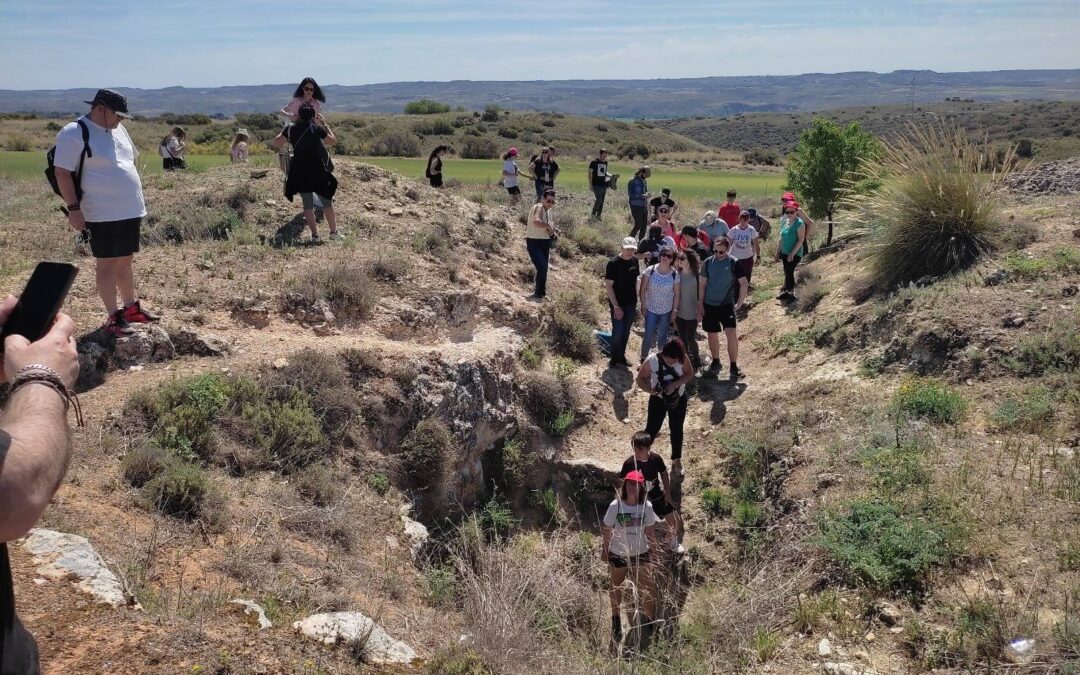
308	200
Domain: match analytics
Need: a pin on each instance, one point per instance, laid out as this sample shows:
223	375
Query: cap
791	205
751	211
242	132
787	197
731	193
744	213
635	477
645	169
629	242
601	151
689	230
112	100
512	152
665	191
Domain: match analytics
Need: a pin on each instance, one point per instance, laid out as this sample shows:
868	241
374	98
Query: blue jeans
656	332
620	331
539	252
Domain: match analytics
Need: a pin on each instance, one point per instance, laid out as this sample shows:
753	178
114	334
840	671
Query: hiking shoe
117	325
316	239
337	236
735	373
715	367
134	313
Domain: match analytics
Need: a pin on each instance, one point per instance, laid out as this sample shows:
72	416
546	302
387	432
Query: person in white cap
621	278
239	151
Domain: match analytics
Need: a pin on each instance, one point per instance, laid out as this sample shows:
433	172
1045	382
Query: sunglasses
666	255
790	213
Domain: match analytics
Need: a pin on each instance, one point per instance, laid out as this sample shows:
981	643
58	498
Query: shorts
747	267
436	180
718	316
660	506
308	200
115	238
513	190
636	560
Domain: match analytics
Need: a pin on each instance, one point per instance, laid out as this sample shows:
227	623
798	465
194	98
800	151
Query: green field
685	183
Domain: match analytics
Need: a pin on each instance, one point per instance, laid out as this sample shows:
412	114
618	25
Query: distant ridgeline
626	99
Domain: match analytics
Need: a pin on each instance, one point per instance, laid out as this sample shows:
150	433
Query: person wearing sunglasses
686	322
791	248
538	233
307	93
666	224
658	297
721	292
544	170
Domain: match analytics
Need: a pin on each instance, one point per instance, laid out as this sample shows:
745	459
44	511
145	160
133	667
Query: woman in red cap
629	532
791	247
510	175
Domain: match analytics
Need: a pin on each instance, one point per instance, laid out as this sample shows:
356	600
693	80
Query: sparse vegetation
927	398
344	283
1030	410
426	106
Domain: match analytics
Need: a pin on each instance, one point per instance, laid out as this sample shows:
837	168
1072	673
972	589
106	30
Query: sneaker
134	313
316	239
715	367
680	550
337	236
116	325
735	373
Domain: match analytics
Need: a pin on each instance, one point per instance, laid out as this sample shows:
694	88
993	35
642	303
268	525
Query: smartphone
40	301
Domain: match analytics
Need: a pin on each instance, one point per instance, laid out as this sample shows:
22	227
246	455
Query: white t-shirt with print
660	295
628	525
112	189
742	242
171	149
511	168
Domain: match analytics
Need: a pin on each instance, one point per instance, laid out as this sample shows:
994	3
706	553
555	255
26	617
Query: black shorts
660	506
115	238
436	180
170	163
619	563
718	317
513	190
747	267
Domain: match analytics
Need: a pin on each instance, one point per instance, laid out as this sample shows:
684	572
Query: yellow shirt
538	213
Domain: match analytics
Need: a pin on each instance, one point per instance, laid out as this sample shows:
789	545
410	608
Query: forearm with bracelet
39	373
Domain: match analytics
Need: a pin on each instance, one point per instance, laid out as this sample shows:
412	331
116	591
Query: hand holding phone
41	300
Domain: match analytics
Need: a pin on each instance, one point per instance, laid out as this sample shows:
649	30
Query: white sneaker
337	236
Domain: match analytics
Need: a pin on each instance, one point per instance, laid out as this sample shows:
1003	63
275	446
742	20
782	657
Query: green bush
935	212
318	484
546	398
563	423
181	415
1056	350
572	337
888	547
181	490
287	431
441	583
717	502
1031	410
395	144
896	469
479	148
496	519
592	241
425	452
18	144
425	106
380	483
457	660
927	398
143	463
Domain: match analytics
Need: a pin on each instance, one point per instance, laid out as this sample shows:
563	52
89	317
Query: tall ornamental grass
935	210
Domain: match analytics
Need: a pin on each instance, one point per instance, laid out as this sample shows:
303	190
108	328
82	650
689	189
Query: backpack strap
86	151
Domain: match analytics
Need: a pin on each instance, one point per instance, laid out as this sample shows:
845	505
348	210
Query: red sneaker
117	325
134	313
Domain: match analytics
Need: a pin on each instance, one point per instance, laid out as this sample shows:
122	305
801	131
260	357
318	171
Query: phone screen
40	301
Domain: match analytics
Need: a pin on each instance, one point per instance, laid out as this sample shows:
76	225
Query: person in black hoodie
311	170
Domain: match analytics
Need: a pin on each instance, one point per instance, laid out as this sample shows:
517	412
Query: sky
57	44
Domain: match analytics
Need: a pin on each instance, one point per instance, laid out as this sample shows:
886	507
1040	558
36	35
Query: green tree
826	155
425	106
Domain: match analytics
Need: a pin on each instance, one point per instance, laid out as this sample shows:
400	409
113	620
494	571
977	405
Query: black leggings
688	334
676	416
789	271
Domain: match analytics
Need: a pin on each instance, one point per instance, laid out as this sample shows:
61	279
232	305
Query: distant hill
1052	126
626	99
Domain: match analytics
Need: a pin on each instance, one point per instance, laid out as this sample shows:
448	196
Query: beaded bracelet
41	374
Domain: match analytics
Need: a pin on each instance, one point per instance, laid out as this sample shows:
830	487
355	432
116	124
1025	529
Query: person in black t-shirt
311	169
598	181
663	200
621	278
544	169
657	484
434	166
35	448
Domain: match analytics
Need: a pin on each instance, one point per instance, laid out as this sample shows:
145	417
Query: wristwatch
74	207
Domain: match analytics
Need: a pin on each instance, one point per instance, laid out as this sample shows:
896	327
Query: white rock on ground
335	627
833	668
824	648
252	607
61	555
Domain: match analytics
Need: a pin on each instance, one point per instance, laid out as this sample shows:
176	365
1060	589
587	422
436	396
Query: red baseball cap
787	197
635	477
791	204
512	151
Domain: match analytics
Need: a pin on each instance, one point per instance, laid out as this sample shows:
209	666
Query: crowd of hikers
678	279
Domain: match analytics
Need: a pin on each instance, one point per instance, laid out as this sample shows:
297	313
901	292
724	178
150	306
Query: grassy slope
1054	126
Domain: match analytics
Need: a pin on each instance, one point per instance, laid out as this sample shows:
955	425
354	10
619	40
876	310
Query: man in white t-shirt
745	244
108	204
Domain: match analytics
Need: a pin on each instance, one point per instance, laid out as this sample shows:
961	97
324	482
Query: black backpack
50	170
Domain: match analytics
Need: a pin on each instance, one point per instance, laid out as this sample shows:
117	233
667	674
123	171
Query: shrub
717	502
457	660
18	144
592	241
143	463
181	414
318	484
896	468
425	453
1055	350
508	132
395	144
437	127
761	157
287	431
936	210
181	490
479	148
562	424
344	283
886	547
572	337
1031	410
549	123
425	106
546	398
491	113
931	399
496	519
379	482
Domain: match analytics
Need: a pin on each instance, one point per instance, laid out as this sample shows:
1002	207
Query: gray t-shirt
721	280
688	292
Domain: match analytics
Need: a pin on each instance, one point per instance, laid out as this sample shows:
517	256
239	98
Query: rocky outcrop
590	486
63	556
315	315
251	310
353	627
1051	178
192	343
415	532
